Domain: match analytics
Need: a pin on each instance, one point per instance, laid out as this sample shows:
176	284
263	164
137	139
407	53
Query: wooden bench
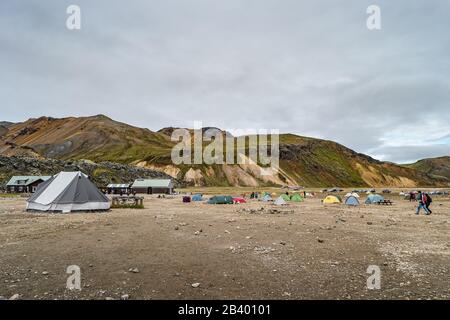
133	200
385	202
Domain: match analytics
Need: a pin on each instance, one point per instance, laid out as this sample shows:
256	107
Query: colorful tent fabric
331	200
186	199
239	200
266	198
374	198
280	201
197	197
296	198
285	197
67	192
352	201
221	200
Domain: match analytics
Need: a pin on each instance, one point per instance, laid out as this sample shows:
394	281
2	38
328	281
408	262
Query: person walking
428	202
422	198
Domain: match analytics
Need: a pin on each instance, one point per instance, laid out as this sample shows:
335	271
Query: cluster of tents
73	191
352	199
266	197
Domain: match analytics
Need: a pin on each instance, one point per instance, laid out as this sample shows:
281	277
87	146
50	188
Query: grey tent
67	192
374	198
280	202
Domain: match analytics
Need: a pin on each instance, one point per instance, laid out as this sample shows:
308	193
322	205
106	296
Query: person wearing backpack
428	202
422	198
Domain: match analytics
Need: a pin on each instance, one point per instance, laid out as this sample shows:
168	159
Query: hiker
428	202
422	198
412	196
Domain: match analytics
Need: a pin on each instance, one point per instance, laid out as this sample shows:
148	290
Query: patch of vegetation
9	195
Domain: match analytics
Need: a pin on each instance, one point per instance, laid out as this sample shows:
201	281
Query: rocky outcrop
101	173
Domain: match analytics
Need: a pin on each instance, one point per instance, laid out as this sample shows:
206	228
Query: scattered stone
133	270
125	297
195	285
109	298
15	297
176	228
369	223
45	273
320	240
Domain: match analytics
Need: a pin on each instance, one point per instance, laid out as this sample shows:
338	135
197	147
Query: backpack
429	200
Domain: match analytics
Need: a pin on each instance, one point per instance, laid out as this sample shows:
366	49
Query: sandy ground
247	251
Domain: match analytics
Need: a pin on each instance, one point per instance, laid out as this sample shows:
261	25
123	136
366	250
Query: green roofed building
25	184
153	186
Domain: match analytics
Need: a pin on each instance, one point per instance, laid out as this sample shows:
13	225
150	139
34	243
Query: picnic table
385	202
120	200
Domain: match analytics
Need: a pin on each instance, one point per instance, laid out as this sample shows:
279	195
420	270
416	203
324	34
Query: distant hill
304	161
437	168
4	125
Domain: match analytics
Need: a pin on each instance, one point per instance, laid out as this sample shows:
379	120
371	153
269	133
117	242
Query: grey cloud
310	68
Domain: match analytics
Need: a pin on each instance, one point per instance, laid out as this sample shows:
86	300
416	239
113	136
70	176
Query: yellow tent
331	200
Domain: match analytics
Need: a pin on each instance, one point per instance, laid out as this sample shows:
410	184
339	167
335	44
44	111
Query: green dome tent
221	200
296	198
285	197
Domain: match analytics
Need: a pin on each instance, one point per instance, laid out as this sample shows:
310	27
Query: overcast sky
306	67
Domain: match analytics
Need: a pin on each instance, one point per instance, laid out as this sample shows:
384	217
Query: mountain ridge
304	161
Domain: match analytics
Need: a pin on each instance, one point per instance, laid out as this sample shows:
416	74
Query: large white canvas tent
67	192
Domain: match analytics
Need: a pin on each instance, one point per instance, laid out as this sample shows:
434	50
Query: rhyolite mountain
304	161
436	168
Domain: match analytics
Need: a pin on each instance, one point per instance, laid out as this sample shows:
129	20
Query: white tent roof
61	181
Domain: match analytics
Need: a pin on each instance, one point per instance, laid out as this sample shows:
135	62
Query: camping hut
352	201
67	192
280	201
221	200
331	200
25	184
296	198
118	188
374	198
153	186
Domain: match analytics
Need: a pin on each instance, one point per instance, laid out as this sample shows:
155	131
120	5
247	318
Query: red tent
239	200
